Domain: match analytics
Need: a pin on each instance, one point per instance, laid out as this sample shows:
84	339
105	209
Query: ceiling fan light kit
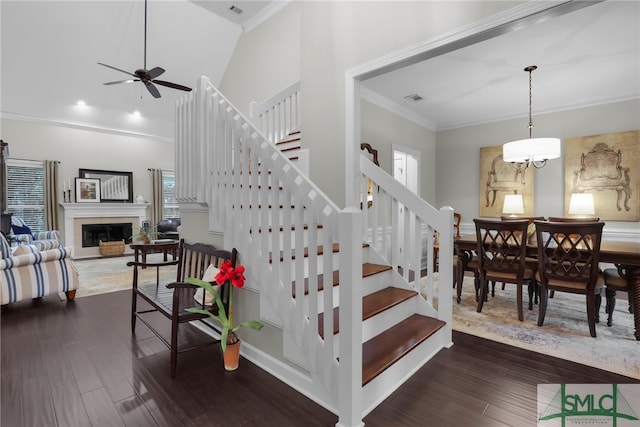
531	151
147	77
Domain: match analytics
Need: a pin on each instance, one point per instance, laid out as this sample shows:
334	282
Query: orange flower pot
231	356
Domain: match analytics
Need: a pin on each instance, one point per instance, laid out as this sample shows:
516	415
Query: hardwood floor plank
37	404
111	372
100	409
134	413
68	404
11	398
83	370
56	362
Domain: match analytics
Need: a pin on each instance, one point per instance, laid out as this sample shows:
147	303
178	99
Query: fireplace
92	234
107	219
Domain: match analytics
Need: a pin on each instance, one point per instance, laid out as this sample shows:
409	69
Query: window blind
170	208
25	192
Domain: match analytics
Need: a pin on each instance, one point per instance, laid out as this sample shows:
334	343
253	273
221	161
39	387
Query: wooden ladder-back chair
568	257
172	299
502	249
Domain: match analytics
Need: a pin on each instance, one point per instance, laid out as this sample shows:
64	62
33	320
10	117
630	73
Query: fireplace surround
98	214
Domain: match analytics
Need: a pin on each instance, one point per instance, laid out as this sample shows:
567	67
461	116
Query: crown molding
82	126
392	106
264	14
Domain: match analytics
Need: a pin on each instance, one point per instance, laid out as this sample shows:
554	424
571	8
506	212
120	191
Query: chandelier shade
531	150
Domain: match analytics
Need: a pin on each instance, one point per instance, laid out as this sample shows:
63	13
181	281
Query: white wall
80	148
266	60
337	36
458	155
382	128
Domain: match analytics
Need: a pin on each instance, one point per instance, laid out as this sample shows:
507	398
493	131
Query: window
25	191
170	208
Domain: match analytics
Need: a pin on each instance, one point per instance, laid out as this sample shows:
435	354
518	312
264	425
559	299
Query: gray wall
458	155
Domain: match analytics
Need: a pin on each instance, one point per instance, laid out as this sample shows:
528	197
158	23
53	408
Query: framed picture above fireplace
115	186
87	190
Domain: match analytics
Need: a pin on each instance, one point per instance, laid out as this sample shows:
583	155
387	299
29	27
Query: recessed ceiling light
136	114
413	97
81	103
235	9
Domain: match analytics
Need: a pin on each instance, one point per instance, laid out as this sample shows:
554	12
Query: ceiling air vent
413	97
235	9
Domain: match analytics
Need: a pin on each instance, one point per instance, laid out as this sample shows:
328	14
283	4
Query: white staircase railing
271	212
279	115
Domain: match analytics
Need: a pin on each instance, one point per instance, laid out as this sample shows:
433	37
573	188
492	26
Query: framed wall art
87	190
607	166
499	178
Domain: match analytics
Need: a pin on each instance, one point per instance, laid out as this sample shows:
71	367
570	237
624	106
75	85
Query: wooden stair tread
385	349
372	304
281	228
320	251
368	269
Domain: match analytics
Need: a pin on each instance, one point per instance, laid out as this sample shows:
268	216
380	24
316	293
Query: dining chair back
568	257
501	249
565	219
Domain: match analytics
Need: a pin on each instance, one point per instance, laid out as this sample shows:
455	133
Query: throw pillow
208	276
21	229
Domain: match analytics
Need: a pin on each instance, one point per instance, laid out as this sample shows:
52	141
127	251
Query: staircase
316	267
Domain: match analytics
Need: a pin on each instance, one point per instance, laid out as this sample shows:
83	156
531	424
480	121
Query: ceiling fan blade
152	89
172	85
154	72
117	69
122	81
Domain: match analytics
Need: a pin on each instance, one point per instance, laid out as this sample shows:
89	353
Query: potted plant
229	341
146	234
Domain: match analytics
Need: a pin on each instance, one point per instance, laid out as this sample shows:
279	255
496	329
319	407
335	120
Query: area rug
102	275
564	334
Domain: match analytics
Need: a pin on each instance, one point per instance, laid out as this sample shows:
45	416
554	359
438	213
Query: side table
164	246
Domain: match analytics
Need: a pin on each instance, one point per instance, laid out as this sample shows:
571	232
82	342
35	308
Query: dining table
622	252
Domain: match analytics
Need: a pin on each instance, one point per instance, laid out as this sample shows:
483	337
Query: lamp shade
513	204
582	204
531	150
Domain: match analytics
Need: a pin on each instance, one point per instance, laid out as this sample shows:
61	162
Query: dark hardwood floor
77	364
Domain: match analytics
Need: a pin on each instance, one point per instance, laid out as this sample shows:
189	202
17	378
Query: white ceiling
586	57
50	51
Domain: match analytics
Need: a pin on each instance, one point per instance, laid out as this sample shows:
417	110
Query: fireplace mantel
75	213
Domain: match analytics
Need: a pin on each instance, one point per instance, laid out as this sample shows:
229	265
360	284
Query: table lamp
513	205
582	205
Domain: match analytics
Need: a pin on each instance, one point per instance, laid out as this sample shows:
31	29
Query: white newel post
350	290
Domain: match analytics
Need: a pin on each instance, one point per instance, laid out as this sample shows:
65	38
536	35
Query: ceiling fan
147	77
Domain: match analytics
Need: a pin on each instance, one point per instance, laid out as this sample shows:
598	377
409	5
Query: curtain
51	195
157	202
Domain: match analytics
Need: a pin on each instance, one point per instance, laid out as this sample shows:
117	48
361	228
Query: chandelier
532	151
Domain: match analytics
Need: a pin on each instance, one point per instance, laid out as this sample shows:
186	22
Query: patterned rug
102	275
564	334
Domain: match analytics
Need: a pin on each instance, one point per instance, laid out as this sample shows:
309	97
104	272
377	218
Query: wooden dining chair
568	257
501	249
615	279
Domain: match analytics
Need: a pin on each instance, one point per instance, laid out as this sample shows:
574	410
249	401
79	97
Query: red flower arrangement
235	276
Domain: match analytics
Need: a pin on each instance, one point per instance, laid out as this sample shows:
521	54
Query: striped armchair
43	240
30	273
